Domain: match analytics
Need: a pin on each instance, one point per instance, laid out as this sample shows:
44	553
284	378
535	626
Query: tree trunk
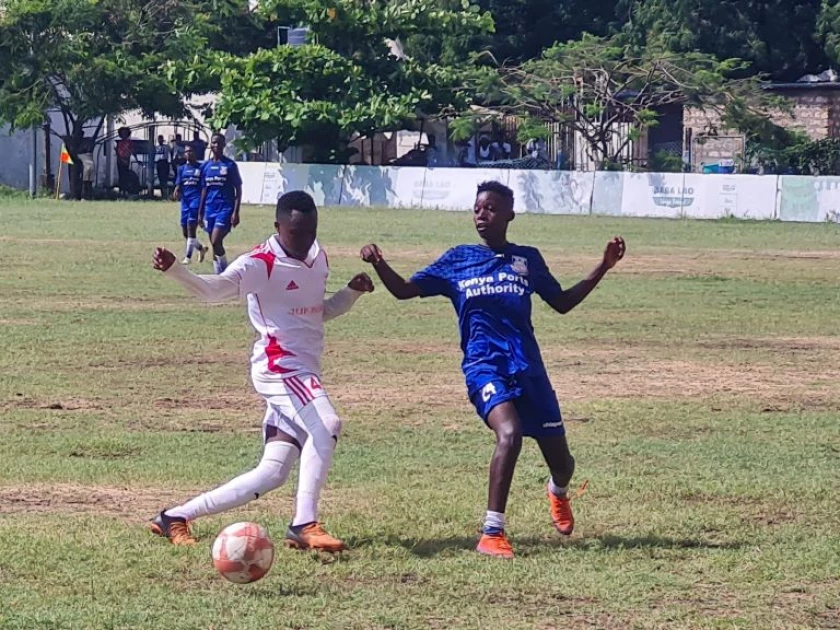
49	179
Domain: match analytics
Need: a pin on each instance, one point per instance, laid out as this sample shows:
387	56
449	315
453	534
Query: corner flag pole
58	179
63	158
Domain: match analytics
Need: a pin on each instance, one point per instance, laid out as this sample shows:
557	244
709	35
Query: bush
665	162
6	192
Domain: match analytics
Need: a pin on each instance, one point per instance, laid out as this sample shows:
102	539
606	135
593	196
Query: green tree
350	79
780	39
607	93
523	29
87	59
828	30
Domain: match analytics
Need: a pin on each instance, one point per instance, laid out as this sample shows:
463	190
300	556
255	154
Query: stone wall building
816	112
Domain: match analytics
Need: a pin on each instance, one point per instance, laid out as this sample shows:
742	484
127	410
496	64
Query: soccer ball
243	552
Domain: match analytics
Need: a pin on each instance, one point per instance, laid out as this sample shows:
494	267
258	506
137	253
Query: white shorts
303	410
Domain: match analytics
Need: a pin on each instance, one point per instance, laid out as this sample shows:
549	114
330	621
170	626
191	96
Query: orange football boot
313	536
177	530
561	513
496	545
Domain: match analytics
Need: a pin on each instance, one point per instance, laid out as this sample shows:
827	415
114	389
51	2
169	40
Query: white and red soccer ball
243	552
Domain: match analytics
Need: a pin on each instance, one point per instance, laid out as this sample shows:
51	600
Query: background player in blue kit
188	190
221	196
490	286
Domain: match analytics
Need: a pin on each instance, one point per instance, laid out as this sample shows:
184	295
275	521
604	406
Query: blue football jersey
491	292
189	181
220	179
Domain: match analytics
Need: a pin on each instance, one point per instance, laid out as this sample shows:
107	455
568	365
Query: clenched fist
371	254
361	282
163	259
614	252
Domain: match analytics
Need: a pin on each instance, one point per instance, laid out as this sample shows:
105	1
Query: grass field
700	383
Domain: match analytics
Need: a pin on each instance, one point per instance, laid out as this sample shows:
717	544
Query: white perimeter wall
668	195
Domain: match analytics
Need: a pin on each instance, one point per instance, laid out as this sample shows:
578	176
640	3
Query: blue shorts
533	396
218	221
189	215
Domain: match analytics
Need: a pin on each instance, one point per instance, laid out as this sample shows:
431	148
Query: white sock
315	460
272	471
556	490
190	245
219	264
494	520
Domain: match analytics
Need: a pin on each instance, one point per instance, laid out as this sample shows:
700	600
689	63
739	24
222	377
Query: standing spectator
432	156
536	148
86	158
502	148
125	151
486	152
466	153
162	157
178	157
199	146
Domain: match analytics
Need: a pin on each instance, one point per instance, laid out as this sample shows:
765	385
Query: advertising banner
455	188
383	186
810	199
322	181
552	192
608	192
739	196
655	195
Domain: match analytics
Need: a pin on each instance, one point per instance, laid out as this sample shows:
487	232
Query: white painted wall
664	195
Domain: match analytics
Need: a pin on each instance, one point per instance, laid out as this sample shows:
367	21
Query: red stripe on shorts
299	389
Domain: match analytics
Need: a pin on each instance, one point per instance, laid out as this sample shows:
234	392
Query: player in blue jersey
490	286
188	190
221	195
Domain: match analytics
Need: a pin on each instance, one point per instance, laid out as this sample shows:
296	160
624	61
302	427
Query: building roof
827	80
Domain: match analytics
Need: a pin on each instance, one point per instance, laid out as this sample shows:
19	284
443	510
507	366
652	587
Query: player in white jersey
284	282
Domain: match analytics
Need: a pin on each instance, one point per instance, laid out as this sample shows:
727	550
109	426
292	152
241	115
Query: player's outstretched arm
206	288
342	301
394	282
570	298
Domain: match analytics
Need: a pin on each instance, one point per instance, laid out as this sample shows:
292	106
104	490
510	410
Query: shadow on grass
429	547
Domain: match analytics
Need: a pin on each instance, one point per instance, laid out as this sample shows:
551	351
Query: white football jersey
285	299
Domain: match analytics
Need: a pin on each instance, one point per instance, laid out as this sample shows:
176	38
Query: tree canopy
90	59
780	39
351	79
377	65
607	92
